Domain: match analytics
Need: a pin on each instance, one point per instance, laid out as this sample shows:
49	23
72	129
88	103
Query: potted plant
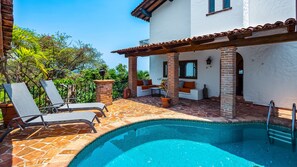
165	100
8	112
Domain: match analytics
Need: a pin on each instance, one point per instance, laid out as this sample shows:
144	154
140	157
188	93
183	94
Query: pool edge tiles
110	134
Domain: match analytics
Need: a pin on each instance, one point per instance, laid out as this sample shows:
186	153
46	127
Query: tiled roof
289	23
147	5
7	23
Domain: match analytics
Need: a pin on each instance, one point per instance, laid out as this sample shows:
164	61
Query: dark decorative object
205	92
102	73
145	12
208	61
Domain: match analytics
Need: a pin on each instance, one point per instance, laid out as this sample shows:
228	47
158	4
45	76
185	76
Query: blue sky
106	24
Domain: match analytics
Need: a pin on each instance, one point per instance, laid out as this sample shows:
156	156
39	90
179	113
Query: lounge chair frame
56	100
27	122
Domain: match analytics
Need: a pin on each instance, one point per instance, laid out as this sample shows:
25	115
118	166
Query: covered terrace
225	42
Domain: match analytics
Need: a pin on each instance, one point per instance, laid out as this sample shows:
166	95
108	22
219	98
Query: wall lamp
208	60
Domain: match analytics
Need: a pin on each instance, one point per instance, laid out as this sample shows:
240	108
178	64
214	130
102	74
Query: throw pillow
181	84
145	82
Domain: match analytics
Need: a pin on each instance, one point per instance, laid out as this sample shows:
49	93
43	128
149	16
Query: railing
73	93
80	93
271	109
293	123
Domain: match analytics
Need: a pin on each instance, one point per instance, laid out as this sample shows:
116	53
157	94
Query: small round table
156	92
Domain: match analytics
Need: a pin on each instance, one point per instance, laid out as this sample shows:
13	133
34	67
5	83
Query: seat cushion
185	90
144	87
190	85
152	86
139	82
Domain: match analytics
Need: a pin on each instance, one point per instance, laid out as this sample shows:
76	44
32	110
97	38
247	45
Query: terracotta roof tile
265	27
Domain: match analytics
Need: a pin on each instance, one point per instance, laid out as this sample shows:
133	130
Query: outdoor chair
60	104
30	115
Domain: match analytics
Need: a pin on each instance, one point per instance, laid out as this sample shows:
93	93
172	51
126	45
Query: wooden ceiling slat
155	5
149	5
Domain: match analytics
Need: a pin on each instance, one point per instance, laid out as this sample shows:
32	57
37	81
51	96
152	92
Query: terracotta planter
165	102
8	113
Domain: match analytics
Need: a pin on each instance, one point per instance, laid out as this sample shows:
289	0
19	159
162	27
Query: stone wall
104	91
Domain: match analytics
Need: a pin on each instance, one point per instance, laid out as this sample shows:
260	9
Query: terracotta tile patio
57	145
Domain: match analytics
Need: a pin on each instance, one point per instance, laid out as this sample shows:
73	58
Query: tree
38	56
26	59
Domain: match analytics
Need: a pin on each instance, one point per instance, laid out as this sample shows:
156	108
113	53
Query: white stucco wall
270	73
270	11
170	21
223	21
209	75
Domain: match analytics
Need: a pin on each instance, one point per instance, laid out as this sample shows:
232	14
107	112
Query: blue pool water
187	143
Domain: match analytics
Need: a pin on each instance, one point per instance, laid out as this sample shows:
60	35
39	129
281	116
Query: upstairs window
226	4
211	6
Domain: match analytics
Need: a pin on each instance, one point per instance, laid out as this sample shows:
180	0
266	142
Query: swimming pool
187	143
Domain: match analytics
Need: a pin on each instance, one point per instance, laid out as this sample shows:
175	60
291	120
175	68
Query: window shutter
226	4
211	6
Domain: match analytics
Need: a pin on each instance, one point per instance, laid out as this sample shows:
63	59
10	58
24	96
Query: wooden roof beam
278	38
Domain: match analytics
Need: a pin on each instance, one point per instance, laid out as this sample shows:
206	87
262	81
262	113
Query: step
280	132
280	135
279	139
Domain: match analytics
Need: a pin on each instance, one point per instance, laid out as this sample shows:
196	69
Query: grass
1	117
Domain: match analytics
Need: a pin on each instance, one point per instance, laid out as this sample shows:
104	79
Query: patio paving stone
58	144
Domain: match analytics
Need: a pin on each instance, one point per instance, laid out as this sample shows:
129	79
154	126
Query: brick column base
228	82
173	79
104	91
133	76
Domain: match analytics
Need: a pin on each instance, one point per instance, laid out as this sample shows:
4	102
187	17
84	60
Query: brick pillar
104	91
133	76
228	82
173	79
